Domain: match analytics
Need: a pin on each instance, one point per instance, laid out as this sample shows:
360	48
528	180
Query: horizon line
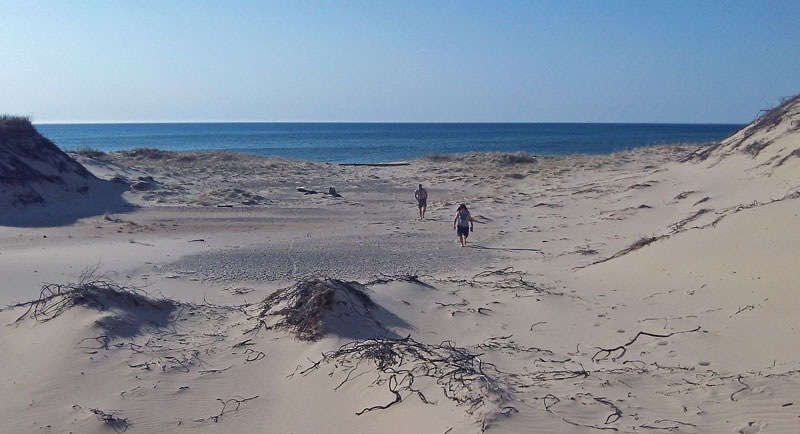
371	122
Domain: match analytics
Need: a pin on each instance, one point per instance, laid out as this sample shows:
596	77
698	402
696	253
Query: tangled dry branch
303	308
91	291
504	279
461	374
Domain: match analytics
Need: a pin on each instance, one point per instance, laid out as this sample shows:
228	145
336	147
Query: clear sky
398	61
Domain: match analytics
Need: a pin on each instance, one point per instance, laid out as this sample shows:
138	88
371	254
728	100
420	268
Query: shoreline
383	143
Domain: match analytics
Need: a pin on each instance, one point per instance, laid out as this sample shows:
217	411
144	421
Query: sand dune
41	185
648	291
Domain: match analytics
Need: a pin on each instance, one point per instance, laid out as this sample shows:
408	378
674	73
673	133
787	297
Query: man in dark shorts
463	224
422	200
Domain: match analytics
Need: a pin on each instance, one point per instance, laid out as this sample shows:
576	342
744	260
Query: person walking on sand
422	200
463	224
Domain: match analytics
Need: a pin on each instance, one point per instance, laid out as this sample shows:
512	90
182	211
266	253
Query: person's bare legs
422	212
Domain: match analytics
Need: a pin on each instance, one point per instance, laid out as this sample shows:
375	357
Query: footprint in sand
751	427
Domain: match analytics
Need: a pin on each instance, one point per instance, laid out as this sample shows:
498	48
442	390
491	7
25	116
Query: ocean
380	142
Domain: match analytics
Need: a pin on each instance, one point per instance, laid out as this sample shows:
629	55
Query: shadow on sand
67	208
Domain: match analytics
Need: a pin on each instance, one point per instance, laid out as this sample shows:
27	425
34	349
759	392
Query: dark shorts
463	231
422	203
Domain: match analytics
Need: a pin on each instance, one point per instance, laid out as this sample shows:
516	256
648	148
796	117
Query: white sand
544	324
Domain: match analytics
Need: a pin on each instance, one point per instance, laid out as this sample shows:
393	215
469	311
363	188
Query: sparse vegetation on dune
14	129
90	152
7	120
765	122
148	154
304	308
91	291
28	158
490	158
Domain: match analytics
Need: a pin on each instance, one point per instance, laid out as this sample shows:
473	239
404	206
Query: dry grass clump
304	307
90	291
148	154
679	226
14	123
117	423
90	152
770	118
701	154
753	149
514	159
485	158
14	129
21	144
638	244
795	153
439	158
767	121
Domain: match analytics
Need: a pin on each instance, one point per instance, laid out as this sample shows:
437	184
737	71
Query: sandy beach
646	291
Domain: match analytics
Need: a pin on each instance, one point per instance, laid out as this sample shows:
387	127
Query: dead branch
462	375
554	400
462	303
684	194
213	371
253	355
91	291
604	353
238	290
392	388
101	340
506	278
679	226
505	343
675	425
228	406
304	307
638	244
116	423
746	386
387	278
537	323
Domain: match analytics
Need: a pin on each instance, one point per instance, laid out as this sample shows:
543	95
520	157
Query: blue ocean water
380	142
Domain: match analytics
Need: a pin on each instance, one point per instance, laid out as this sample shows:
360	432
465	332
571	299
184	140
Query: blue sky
398	61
